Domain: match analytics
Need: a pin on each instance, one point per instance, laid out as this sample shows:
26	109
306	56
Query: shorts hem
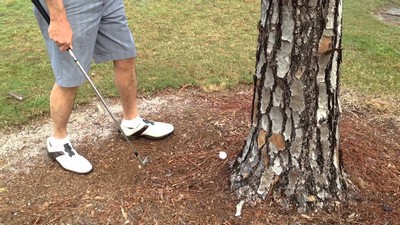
113	56
70	84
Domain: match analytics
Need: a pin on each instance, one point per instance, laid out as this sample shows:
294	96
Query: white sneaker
149	129
68	158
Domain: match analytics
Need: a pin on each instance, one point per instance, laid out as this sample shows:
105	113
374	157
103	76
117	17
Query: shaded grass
210	44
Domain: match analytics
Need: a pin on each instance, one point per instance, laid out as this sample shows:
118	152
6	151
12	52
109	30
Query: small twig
188	160
16	96
203	162
37	221
391	14
55	219
185	86
183	179
144	213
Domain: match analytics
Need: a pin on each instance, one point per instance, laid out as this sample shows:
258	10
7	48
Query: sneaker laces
68	149
148	122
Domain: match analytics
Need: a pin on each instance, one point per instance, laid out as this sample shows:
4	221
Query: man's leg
132	124
58	145
126	83
61	104
84	18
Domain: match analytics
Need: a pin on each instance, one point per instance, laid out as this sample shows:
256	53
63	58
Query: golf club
71	53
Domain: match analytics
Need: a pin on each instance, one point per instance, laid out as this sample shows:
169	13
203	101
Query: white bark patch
274	19
277	167
265	122
260	64
277	96
328	33
340	187
322	115
285	158
288	127
320	179
324	132
334	73
246	149
334	76
322	112
323	95
264	7
245	171
293	177
273	149
297	99
322	194
295	162
255	108
277	119
271	43
297	103
339	19
283	58
297	88
254	158
265	100
266	181
312	3
323	62
269	79
272	33
287	24
336	151
239	207
296	145
331	16
313	157
296	119
326	153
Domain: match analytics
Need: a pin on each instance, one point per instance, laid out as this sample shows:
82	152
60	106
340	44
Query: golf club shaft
42	11
71	53
105	106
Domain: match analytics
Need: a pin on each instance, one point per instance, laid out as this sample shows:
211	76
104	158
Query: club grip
41	10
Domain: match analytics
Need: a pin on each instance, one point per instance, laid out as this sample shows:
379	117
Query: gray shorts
100	32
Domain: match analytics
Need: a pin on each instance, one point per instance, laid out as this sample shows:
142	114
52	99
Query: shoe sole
55	160
134	137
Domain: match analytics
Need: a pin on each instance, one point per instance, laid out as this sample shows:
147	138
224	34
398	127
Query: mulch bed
186	182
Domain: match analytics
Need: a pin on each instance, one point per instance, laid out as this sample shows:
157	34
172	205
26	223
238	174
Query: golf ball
222	155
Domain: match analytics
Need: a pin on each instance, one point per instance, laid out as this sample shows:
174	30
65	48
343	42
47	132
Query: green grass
371	61
205	43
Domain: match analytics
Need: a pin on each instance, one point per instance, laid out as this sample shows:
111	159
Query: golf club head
145	161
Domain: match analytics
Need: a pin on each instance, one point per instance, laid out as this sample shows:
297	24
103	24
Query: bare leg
125	80
61	103
126	83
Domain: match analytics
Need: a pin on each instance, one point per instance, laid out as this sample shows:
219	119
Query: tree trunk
292	151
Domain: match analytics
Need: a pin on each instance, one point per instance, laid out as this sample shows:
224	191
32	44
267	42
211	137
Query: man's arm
59	29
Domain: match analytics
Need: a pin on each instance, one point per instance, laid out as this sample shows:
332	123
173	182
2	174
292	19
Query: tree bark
292	151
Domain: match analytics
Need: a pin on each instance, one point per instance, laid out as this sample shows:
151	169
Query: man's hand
61	33
59	29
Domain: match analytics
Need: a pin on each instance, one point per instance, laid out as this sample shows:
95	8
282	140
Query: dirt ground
185	182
